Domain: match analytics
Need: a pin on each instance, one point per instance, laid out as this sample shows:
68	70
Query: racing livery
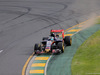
53	43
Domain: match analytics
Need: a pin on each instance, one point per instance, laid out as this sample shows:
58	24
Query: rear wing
62	31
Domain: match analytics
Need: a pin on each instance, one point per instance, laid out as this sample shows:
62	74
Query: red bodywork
62	31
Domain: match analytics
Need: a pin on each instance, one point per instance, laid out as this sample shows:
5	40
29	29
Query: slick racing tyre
37	47
68	40
61	46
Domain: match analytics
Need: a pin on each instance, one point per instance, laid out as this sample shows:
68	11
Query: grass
87	58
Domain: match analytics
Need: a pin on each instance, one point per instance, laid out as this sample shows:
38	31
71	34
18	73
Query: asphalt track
24	22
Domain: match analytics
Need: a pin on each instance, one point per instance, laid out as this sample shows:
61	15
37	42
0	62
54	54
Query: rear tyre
61	46
68	40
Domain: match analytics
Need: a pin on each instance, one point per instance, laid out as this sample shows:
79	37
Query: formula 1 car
54	43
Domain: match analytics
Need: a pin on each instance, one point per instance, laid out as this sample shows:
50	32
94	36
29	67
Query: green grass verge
87	58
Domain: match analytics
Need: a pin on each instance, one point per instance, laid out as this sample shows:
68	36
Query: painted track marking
38	65
24	68
41	58
74	30
68	34
36	71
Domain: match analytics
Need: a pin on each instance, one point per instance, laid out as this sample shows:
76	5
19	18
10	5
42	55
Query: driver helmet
53	34
52	38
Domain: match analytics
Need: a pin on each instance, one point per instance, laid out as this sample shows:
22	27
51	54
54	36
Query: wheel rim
63	47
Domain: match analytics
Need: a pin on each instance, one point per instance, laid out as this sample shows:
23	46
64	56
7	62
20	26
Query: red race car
55	43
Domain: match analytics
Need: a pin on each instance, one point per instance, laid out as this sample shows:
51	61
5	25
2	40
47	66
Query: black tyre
45	38
61	46
37	47
68	40
53	47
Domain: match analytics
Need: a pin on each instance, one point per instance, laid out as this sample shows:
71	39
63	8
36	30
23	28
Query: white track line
45	73
29	65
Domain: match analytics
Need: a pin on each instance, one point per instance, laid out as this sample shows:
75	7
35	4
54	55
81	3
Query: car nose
47	49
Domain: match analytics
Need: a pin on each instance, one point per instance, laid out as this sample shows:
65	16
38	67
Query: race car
55	43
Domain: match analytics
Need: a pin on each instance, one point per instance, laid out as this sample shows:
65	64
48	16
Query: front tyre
36	47
61	46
